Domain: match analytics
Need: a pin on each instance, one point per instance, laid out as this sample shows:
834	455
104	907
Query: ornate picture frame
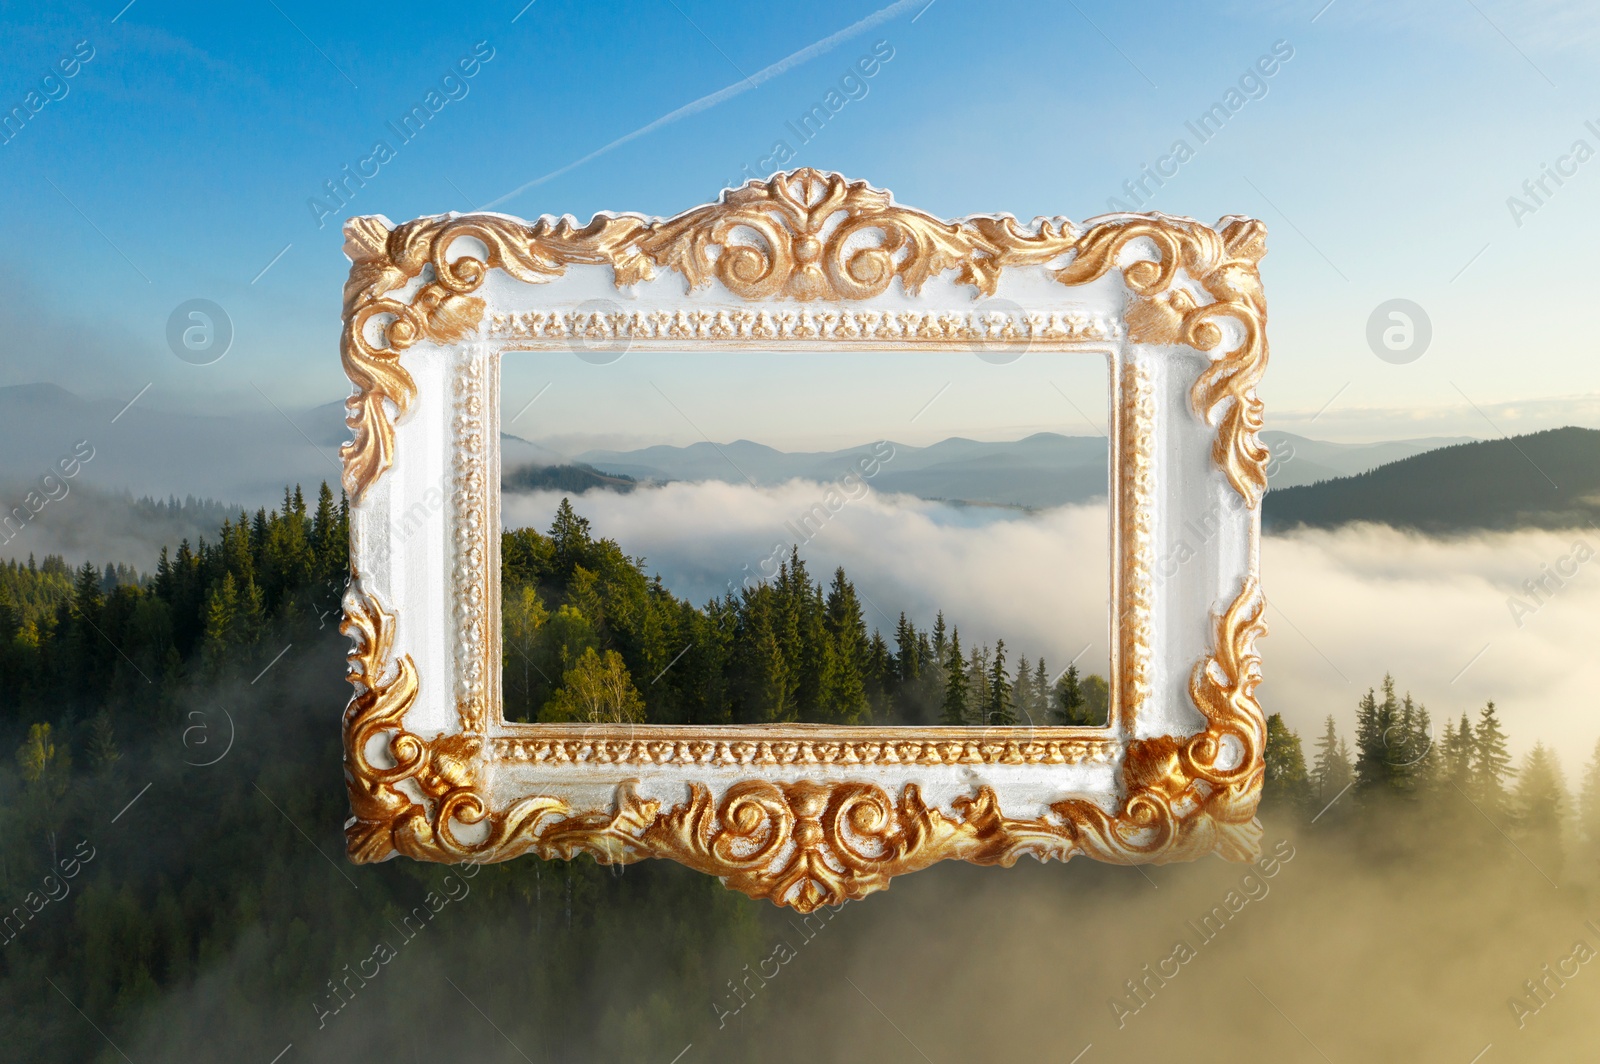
803	815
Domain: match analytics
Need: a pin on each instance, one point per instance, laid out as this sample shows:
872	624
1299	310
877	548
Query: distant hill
92	524
1297	460
1045	469
1542	480
576	479
1042	470
149	447
248	455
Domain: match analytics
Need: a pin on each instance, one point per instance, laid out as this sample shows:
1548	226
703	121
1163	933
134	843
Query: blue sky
180	161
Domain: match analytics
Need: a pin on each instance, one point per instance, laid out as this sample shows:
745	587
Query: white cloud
1485	420
997	573
1348	605
1366	600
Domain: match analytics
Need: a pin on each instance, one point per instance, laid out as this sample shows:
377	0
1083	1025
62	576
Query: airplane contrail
782	66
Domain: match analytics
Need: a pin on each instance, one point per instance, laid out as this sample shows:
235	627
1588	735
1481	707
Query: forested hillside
588	636
1541	480
172	878
576	478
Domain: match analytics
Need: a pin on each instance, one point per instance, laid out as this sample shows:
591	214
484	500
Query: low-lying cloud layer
1454	619
1039	581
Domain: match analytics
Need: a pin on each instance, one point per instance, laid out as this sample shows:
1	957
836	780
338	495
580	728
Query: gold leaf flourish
386	258
794	258
804	844
1224	263
807	843
1189	797
804	235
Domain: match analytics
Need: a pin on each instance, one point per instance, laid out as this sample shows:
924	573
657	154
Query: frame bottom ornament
803	844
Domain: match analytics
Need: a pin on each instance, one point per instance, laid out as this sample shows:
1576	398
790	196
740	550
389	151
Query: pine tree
584	593
1491	764
845	696
250	622
1540	800
1001	709
323	529
1071	708
164	575
1332	771
86	595
1374	721
817	661
763	680
1411	753
103	752
1286	785
905	650
259	531
1589	816
955	708
1455	755
221	621
879	675
233	548
10	618
977	685
1022	690
330	538
569	535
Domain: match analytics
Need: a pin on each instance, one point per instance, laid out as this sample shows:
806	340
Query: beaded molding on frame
865	327
802	843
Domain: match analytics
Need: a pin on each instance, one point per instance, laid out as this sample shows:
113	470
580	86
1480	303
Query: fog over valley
1453	618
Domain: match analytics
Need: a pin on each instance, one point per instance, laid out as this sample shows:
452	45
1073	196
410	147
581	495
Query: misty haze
655	244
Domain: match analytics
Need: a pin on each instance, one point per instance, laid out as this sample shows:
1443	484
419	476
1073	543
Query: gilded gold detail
804	236
476	539
805	843
863	328
1135	470
844	746
1197	795
773	244
384	260
1223	263
810	237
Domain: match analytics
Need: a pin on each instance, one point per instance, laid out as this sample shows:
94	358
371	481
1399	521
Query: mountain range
1041	470
1038	471
245	457
240	457
1546	479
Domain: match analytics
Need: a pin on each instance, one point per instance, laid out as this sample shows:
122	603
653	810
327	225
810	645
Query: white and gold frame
804	815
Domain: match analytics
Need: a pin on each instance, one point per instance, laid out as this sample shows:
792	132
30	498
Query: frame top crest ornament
807	815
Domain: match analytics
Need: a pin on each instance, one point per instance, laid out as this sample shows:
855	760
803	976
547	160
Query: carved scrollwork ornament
804	236
812	239
807	843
